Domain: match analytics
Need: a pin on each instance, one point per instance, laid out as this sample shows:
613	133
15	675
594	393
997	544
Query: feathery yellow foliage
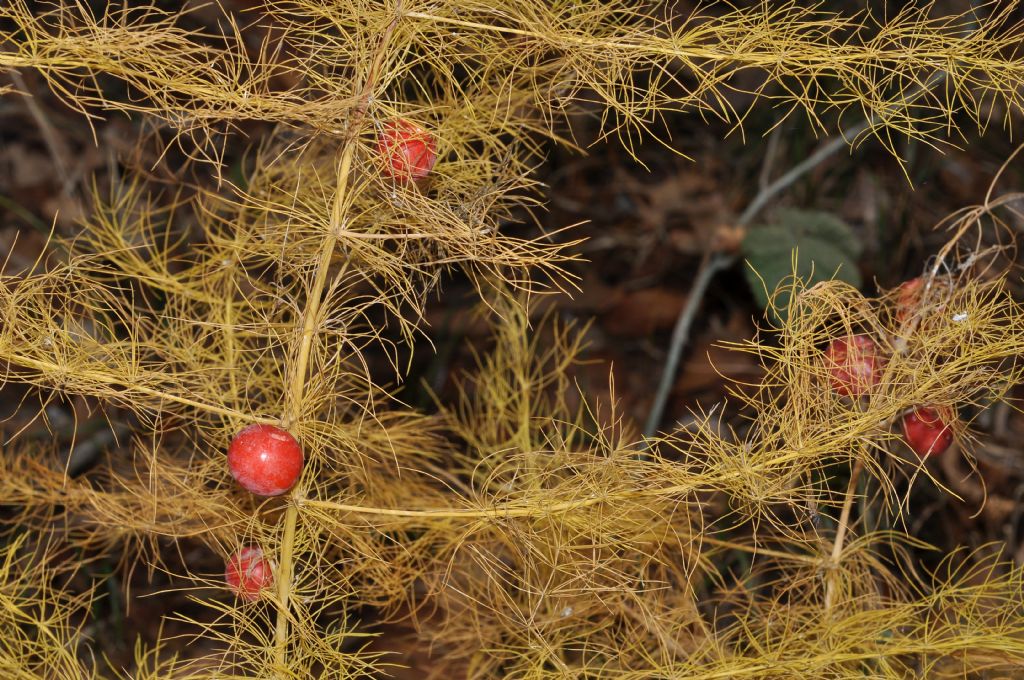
522	538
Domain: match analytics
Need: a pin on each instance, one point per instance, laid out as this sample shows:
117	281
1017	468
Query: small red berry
265	459
408	150
926	431
854	364
908	298
248	572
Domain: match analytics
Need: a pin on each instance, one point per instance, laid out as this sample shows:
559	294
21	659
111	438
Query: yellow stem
510	511
296	389
513	510
837	545
310	320
230	351
312	312
284	584
852	56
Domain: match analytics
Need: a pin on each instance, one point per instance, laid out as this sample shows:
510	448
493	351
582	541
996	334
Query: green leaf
824	246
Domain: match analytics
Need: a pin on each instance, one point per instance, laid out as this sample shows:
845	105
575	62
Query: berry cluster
855	366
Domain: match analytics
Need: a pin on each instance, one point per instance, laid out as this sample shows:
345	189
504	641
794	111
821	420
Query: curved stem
296	389
310	321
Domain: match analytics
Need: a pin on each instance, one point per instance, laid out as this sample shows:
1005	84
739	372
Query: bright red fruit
854	364
408	150
265	459
926	431
248	572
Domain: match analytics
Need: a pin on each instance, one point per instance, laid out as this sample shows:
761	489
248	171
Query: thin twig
771	152
54	143
680	335
828	149
769	192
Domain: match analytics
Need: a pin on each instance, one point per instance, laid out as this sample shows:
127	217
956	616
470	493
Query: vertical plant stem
313	303
284	584
837	545
296	389
310	318
230	349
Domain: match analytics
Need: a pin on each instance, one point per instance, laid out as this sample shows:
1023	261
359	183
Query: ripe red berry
908	298
265	459
409	151
926	431
248	572
854	364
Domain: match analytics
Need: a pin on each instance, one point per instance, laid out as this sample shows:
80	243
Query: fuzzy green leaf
825	248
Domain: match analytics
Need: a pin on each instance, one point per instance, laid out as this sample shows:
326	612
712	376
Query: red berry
854	364
265	459
908	298
248	573
926	431
408	150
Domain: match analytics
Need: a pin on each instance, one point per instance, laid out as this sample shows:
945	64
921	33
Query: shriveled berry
854	364
248	572
927	431
264	459
408	150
